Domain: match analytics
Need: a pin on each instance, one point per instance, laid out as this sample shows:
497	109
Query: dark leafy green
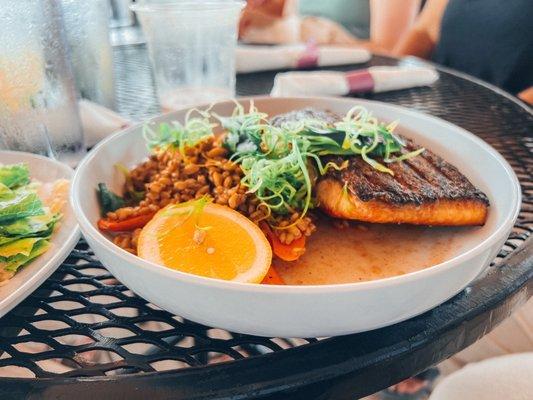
109	201
131	195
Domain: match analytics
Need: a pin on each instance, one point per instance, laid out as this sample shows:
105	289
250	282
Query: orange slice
215	242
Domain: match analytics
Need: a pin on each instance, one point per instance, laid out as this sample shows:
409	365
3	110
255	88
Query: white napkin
395	78
98	121
334	83
323	83
263	58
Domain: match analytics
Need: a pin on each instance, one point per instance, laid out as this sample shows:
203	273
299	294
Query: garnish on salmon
420	190
424	190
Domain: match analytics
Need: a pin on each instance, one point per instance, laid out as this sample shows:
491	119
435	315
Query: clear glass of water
87	29
121	15
38	98
192	49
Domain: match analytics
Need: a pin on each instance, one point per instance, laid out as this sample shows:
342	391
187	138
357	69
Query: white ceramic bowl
308	311
64	239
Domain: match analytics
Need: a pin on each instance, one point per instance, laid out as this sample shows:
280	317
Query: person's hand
260	13
527	95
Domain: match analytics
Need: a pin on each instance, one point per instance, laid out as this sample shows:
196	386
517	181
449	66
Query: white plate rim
61	251
89	229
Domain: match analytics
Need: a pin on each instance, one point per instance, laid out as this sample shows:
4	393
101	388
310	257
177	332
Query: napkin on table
251	58
98	121
335	83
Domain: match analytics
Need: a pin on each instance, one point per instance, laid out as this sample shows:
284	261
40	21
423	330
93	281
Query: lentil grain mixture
169	176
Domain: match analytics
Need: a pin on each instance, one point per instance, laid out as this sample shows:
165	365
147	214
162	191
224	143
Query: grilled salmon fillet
424	190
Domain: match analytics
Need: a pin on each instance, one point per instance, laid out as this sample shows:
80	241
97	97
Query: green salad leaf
19	246
19	203
25	223
29	225
14	175
35	226
15	262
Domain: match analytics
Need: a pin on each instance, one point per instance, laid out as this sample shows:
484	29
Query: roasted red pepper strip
272	278
287	252
129	224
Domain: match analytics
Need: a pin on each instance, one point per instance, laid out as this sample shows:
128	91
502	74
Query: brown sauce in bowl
364	252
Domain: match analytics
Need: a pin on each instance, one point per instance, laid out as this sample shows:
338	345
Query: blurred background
59	76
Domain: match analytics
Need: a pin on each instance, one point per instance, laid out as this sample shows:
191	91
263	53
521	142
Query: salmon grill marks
425	190
419	180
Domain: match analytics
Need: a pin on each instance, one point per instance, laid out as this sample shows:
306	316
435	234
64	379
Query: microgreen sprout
188	209
180	136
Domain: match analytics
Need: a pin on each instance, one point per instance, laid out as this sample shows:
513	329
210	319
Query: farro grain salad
230	205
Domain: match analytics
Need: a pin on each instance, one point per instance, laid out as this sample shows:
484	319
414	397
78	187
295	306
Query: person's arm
420	40
527	95
389	20
261	13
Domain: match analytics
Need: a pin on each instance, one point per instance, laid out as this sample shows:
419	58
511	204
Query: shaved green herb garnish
359	133
188	208
180	136
192	208
244	130
279	162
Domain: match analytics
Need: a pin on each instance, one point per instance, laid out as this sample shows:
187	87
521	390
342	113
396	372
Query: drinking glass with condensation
192	49
38	97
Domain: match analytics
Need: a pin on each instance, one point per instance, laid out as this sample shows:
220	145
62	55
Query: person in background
489	39
279	22
389	21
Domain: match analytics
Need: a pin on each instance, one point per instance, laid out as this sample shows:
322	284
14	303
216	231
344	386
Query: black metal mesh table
84	335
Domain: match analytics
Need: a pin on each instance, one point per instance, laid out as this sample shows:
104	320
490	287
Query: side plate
63	240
